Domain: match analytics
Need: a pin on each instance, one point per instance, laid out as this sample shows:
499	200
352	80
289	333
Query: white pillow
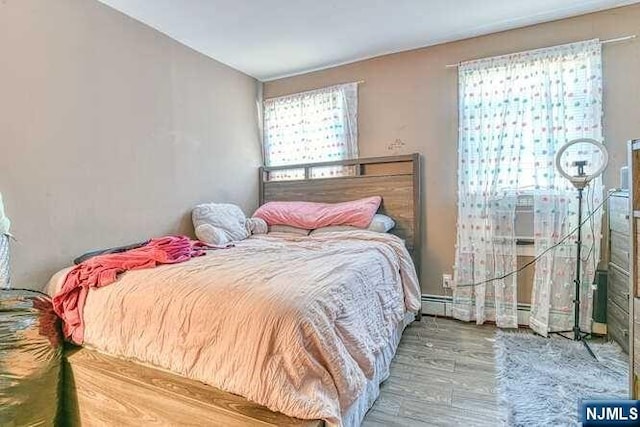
380	224
334	228
219	223
288	229
257	226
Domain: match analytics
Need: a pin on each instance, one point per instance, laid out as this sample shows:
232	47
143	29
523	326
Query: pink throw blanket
103	270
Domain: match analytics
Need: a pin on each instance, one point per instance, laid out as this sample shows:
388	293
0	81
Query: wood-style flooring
443	375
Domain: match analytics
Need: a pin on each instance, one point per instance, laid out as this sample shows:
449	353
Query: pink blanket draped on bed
103	270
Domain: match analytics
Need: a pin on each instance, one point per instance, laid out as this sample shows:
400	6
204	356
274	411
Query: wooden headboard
396	179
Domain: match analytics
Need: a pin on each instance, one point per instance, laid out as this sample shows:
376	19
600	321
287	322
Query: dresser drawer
618	325
618	287
619	245
636	335
619	214
636	260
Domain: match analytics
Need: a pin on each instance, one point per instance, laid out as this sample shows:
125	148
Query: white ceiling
268	39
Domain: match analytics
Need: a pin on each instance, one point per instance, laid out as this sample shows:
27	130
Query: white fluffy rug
541	380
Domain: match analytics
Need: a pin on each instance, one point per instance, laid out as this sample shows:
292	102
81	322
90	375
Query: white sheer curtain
516	111
574	111
309	127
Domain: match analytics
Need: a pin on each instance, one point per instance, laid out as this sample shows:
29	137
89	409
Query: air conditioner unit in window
524	219
523	227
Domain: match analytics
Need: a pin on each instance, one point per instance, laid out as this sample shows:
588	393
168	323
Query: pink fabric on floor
103	270
310	215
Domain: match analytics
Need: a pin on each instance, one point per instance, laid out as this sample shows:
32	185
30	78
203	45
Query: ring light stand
580	180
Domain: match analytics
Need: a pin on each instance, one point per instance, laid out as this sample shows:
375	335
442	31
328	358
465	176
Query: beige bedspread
291	323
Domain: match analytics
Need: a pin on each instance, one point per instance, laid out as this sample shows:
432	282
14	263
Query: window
311	127
515	113
517	110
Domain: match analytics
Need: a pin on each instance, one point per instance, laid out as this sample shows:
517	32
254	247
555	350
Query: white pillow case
288	229
219	223
380	223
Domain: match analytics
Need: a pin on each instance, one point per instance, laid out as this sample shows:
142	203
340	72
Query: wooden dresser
633	161
618	270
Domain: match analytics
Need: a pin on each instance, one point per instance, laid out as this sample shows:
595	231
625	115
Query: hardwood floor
443	375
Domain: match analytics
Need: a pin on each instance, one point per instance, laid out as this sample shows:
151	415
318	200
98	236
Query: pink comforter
293	324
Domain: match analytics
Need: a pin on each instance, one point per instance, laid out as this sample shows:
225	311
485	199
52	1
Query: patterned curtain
310	127
516	111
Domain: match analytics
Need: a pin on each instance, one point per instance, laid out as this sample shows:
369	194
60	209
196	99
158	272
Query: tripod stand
578	334
580	181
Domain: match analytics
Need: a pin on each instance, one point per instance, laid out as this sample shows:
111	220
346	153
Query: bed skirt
353	416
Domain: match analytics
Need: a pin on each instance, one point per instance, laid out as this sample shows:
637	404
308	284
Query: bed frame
102	390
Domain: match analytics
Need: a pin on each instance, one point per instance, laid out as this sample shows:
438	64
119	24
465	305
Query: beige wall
412	96
110	132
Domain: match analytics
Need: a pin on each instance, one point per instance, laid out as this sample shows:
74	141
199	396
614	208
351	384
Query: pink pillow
310	215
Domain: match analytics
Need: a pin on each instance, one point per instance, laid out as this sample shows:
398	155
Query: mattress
305	326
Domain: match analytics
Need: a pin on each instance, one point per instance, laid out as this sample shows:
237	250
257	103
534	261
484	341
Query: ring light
581	179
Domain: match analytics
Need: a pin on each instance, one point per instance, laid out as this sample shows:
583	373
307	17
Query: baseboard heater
442	305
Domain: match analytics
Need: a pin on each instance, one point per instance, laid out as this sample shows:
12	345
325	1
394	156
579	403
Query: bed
305	316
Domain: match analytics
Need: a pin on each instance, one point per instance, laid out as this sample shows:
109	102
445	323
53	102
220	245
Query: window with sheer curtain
515	112
311	127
